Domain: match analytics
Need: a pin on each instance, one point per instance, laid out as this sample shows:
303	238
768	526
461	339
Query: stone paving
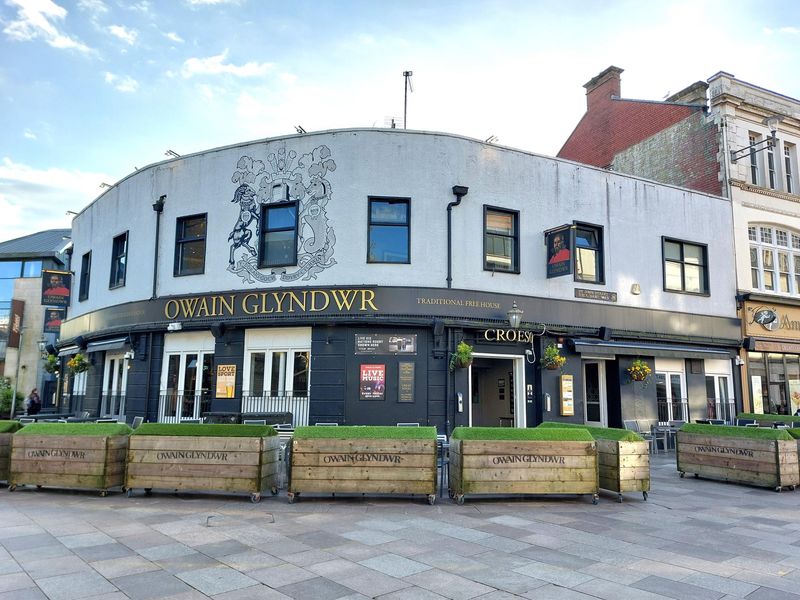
692	539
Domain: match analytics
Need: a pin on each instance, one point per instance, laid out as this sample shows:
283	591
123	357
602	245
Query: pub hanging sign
559	251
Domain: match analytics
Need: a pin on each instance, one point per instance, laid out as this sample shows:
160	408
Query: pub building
330	276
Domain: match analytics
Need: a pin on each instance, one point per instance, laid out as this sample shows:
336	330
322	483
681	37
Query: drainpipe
158	206
459	191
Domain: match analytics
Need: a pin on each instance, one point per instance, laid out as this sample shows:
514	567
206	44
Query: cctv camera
528	352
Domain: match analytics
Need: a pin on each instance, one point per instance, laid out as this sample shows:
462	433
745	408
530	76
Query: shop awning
106	345
69	350
600	348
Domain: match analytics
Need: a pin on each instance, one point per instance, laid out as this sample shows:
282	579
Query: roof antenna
407	87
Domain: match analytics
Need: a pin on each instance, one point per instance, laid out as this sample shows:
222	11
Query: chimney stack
603	86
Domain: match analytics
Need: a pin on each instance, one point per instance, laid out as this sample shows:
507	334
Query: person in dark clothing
33	403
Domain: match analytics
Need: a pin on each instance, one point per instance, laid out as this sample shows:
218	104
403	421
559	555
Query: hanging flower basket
462	357
51	364
552	358
78	363
639	371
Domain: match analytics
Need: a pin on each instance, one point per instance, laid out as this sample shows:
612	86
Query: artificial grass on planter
200	430
79	429
368	432
767	417
598	433
561	434
795	433
9	426
756	433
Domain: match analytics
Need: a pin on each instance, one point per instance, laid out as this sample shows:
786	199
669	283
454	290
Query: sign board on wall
373	382
226	381
15	324
405	382
56	287
382	343
53	318
758	394
567	396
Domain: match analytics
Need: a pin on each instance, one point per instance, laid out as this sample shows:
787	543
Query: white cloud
123	33
35	199
36	20
215	65
174	37
142	7
210	2
792	30
121	83
94	6
29	135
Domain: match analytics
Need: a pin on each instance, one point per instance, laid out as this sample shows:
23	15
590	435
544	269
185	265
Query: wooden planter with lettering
749	455
501	460
239	459
69	455
7	429
364	460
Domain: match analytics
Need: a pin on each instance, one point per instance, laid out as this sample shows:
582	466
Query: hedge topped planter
751	455
70	455
623	458
7	428
503	460
226	458
364	460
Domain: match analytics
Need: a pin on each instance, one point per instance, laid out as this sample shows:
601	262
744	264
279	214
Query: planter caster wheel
431	499
38	487
255	498
460	499
644	495
148	491
291	497
103	493
451	493
696	476
274	491
596	498
619	498
778	489
682	474
12	487
129	493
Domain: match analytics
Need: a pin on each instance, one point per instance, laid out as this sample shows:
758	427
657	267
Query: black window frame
706	269
601	254
86	271
515	259
263	232
181	240
406	225
113	278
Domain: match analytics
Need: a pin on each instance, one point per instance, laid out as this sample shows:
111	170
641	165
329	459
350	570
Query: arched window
774	259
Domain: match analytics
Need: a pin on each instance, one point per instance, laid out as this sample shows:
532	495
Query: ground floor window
671	396
187	377
774	382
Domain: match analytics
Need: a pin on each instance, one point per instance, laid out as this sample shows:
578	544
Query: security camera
528	352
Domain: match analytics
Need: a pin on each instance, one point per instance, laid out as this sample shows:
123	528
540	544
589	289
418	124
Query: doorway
595	400
115	383
496	391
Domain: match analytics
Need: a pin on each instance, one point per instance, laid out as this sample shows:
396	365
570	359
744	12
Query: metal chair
26	420
633	425
745	422
136	422
191	421
326	424
109	420
443	461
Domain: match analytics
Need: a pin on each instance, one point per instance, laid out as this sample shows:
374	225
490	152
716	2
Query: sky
90	90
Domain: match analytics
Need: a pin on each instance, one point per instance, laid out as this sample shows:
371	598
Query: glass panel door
115	380
595	396
186	390
671	401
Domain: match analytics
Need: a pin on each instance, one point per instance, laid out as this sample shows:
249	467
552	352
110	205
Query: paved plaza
692	539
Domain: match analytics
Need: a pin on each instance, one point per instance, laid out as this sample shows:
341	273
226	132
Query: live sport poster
56	288
373	382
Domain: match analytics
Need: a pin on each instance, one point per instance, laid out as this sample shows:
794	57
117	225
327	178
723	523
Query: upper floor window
788	159
753	139
774	259
772	179
589	254
190	245
119	260
500	240
685	267
389	239
278	235
86	267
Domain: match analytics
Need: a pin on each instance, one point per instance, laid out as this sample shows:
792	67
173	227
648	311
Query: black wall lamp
772	125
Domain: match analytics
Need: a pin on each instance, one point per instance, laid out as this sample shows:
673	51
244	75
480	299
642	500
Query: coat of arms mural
283	179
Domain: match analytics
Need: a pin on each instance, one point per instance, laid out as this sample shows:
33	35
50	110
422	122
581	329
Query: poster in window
794	396
53	318
56	286
559	251
226	381
373	382
758	396
405	382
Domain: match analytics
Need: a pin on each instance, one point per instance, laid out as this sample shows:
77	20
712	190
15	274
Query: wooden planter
624	466
364	466
522	467
68	461
239	465
759	462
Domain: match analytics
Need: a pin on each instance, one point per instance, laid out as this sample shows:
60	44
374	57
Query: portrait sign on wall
226	381
373	382
56	286
559	251
53	318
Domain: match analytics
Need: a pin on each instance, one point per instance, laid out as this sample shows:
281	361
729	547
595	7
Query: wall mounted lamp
772	125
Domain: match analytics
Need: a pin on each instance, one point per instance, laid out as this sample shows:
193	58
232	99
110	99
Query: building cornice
749	187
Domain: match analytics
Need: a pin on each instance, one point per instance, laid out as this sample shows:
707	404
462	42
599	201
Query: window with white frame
671	398
774	259
187	376
789	157
115	383
753	139
772	175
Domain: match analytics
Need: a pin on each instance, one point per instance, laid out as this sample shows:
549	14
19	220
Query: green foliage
51	363
201	430
368	432
462	357
78	429
9	426
756	433
599	433
767	418
6	391
552	359
561	434
78	363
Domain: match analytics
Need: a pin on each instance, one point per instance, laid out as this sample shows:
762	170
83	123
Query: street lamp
42	344
515	316
772	126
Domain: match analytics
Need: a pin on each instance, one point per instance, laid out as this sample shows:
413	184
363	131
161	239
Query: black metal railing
295	404
720	408
676	409
112	404
174	408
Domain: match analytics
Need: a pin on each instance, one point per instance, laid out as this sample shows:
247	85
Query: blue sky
91	89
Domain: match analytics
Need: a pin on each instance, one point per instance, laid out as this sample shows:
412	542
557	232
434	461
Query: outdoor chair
106	420
633	425
443	461
136	422
26	420
745	422
716	421
190	421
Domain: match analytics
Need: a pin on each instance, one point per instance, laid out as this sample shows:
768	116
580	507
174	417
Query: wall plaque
595	295
386	343
567	396
405	382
